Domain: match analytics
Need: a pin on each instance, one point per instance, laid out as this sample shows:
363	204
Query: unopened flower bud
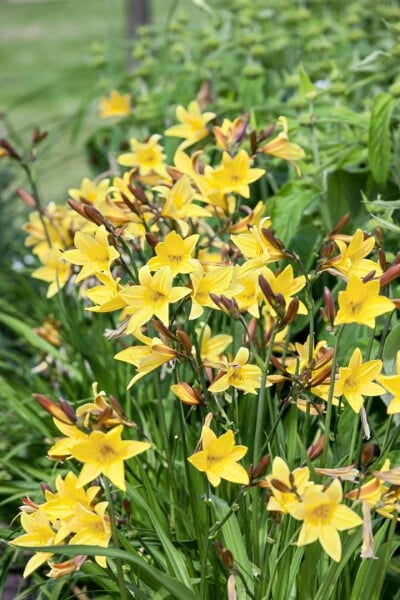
267	290
340	225
26	197
274	241
163	330
290	313
184	340
96	217
151	239
55	410
260	468
330	309
38	136
369	276
389	275
67	408
280	486
367	454
138	192
316	449
186	394
10	150
77	207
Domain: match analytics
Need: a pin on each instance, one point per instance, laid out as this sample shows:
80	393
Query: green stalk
114	533
328	416
386	558
261	400
354	437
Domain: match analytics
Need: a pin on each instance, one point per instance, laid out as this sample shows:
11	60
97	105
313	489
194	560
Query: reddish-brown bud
116	405
162	330
316	449
38	136
367	454
151	239
389	275
274	241
27	198
184	340
261	467
291	312
340	225
77	207
253	142
330	309
369	276
280	486
96	217
267	290
55	410
267	132
10	150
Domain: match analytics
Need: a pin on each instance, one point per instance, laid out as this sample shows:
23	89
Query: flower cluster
72	513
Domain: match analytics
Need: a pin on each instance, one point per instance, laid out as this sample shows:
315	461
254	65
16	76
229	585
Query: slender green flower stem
36	197
386	558
114	534
354	436
328	417
261	400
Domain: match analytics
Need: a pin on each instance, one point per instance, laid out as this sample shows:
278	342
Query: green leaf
233	540
344	196
379	137
307	89
148	573
287	208
390	349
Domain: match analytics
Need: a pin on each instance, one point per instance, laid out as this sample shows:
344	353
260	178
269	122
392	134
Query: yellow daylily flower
361	303
217	281
38	533
146	358
93	254
192	124
62	448
218	458
90	191
323	517
286	486
282	148
237	373
391	383
211	347
176	253
115	105
151	298
52	271
179	205
373	492
185	393
104	453
352	256
105	297
286	285
92	528
147	156
355	380
235	174
256	248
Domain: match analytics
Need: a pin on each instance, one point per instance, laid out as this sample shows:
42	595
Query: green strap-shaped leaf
379	137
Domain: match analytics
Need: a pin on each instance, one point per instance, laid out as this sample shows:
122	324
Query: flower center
322	513
156	297
106	452
350	383
355	308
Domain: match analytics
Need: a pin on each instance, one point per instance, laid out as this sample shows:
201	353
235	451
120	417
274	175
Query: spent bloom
361	303
356	380
218	458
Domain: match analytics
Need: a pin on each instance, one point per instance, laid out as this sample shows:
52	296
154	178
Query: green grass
48	76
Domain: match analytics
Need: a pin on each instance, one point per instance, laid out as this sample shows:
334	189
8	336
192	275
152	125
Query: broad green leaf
390	349
379	136
344	196
287	207
307	89
233	540
145	571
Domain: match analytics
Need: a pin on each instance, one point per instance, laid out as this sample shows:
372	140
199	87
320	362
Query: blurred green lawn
47	75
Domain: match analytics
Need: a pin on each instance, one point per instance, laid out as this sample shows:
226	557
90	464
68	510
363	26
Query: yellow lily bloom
286	486
355	380
218	458
282	148
104	453
38	533
323	517
94	254
192	124
176	253
115	105
151	298
237	373
147	156
235	174
392	384
361	303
